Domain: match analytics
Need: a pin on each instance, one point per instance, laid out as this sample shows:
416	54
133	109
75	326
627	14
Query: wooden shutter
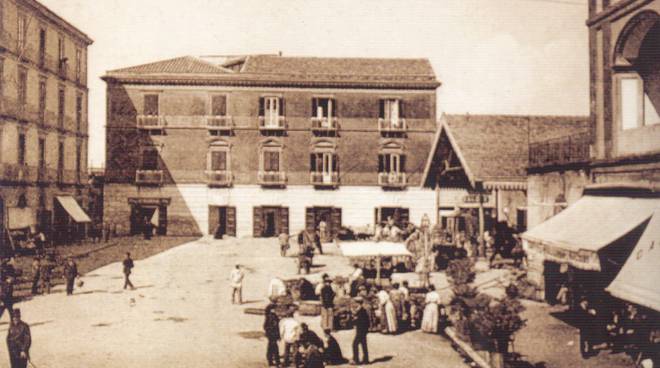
402	163
257	222
214	219
150	104
310	218
401	115
231	221
312	162
261	106
335	108
282	112
381	111
381	163
335	219
376	215
315	102
219	105
284	220
405	216
162	220
335	163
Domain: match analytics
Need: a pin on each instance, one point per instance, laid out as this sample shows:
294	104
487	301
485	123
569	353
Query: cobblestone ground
181	316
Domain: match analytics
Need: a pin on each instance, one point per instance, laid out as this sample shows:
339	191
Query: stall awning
373	249
73	209
576	234
20	218
637	282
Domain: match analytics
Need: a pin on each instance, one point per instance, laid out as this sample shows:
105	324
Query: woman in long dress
430	318
388	313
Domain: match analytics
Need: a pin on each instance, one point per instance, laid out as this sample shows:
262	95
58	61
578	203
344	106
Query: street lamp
426	269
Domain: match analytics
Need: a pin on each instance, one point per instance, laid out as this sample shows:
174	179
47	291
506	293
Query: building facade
43	119
618	156
264	144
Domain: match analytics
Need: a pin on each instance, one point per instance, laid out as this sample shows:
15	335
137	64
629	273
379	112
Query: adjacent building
43	122
265	144
605	177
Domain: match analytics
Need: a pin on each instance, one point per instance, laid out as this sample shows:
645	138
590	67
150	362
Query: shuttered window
150	159
271	161
219	160
219	105
150	105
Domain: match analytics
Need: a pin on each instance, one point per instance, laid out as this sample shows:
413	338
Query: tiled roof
179	65
346	68
495	147
280	69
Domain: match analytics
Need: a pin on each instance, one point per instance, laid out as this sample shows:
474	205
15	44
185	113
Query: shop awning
373	249
73	209
20	218
638	280
576	234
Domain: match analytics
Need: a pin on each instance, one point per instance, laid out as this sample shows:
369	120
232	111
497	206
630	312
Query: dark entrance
155	213
400	215
269	221
222	221
330	215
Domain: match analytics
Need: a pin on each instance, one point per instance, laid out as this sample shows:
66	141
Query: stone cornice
57	20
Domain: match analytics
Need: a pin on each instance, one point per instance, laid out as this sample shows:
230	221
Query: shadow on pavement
382	359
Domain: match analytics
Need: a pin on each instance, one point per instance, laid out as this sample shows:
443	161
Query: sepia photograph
308	183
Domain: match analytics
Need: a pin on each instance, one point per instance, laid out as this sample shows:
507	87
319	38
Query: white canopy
374	249
637	282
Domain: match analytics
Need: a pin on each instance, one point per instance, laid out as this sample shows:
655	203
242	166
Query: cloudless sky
492	56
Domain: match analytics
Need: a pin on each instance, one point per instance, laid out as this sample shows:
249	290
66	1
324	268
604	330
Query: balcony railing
219	122
392	125
321	179
218	178
150	122
272	178
16	173
392	180
149	177
272	123
560	151
324	124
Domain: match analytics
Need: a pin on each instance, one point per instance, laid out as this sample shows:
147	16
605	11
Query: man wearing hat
70	274
18	341
327	295
361	323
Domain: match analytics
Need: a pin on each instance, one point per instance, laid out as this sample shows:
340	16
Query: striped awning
505	185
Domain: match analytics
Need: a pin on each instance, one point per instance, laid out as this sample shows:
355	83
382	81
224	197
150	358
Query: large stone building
606	177
43	121
263	144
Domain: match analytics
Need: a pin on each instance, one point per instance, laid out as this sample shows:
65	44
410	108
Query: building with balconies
262	144
43	122
593	191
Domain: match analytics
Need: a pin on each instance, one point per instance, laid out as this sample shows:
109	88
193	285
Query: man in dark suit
361	323
18	341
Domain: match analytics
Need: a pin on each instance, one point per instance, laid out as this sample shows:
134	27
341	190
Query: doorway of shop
222	221
325	219
270	221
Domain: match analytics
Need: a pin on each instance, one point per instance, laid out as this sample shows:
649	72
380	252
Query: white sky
492	56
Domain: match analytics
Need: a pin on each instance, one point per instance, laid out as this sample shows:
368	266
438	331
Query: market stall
376	250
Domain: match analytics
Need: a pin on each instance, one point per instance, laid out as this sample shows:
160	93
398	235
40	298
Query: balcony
320	179
392	180
324	124
150	122
392	125
218	178
272	178
560	151
149	177
219	122
272	123
16	173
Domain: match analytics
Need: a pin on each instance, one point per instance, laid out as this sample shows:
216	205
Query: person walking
47	265
431	313
36	274
7	295
327	305
271	328
236	278
361	323
70	274
128	268
19	340
290	333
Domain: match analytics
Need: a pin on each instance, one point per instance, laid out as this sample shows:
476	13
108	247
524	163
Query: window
150	159
151	105
21	148
22	86
323	108
60	161
218	105
60	107
78	112
635	106
60	49
78	160
390	111
392	163
271	108
42	46
42	153
218	160
271	161
42	100
323	162
22	31
78	64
